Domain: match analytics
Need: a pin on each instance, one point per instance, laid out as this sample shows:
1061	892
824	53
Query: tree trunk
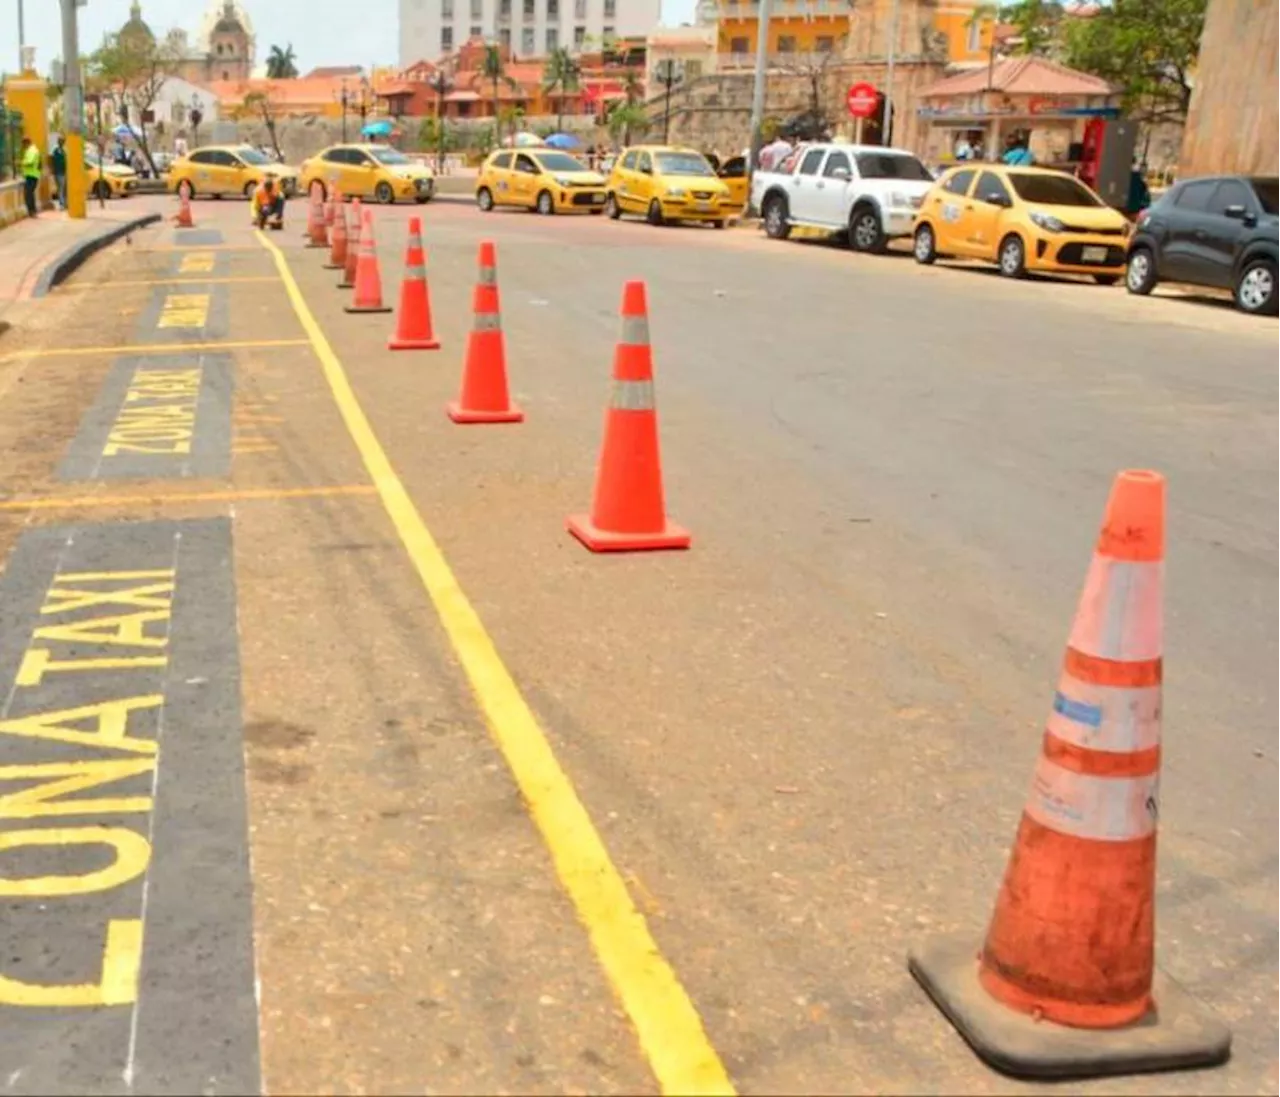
560	112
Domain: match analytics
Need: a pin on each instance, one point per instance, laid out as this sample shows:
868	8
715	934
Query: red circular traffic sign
861	100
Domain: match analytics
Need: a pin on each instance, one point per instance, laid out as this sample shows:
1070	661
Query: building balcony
781	62
787	9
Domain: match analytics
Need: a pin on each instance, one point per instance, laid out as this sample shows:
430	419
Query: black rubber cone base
1177	1035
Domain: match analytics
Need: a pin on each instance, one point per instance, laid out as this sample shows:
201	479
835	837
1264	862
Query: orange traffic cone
413	325
628	511
338	243
484	397
330	204
316	235
368	291
353	247
1065	984
184	220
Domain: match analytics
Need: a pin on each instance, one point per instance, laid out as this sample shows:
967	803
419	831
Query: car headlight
560	179
1046	222
900	199
676	192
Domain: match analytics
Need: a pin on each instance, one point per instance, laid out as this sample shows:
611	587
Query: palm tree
281	63
494	70
559	77
441	83
626	119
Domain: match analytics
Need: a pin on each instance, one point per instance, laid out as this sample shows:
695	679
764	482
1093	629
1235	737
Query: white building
531	28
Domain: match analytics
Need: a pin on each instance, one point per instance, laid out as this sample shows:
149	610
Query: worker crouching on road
268	204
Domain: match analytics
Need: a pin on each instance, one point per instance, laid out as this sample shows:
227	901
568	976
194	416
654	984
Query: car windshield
252	156
389	156
1052	190
1265	189
884	165
559	161
682	163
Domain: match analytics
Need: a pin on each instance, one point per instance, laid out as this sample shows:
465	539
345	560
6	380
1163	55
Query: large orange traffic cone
1065	984
330	204
353	247
338	243
413	325
317	237
368	291
628	511
184	220
484	397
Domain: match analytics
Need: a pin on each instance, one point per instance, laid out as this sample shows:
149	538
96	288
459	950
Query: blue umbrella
381	128
125	130
562	141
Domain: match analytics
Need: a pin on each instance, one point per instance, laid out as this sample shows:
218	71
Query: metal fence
10	141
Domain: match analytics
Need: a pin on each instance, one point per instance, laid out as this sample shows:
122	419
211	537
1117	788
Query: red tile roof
1020	76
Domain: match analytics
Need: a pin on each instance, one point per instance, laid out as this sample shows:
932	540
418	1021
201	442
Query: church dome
136	27
223	17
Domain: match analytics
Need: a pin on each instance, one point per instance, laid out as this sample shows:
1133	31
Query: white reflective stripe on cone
487	321
488	276
1114	719
1121	612
1103	809
418	274
632	396
635	331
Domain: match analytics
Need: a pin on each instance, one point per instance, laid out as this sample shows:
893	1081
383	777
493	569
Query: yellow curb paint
243	495
156	348
669	1029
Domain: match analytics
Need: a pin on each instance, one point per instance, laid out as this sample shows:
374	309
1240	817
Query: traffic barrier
628	511
317	237
413	324
1065	984
484	397
353	247
338	243
368	287
184	220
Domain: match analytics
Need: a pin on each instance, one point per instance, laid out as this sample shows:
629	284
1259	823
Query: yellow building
968	26
801	27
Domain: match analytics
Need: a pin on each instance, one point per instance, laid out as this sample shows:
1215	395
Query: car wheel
654	216
925	247
422	199
718	224
249	188
1140	273
546	204
865	233
611	208
383	194
775	217
101	190
484	199
1013	257
1256	288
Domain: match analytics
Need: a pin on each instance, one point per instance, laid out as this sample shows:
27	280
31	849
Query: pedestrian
30	163
774	152
58	165
1017	152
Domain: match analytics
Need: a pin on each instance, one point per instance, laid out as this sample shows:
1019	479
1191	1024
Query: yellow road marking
197	247
156	348
667	1024
175	281
231	496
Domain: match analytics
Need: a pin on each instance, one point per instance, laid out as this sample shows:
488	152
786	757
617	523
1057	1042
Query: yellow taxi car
1021	219
547	180
224	171
376	172
664	184
733	173
108	180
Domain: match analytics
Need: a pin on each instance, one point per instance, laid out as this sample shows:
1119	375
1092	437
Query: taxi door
524	177
640	183
946	210
225	172
625	180
733	173
499	177
237	174
990	198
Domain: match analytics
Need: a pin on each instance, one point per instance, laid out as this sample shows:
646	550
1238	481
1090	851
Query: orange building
968	26
796	27
319	96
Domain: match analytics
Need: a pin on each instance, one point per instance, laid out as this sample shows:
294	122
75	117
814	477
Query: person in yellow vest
268	204
31	163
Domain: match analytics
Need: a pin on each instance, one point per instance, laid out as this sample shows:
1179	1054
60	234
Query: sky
341	37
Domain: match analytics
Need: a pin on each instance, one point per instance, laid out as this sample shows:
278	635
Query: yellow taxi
1022	219
733	173
108	180
225	171
376	172
662	184
547	180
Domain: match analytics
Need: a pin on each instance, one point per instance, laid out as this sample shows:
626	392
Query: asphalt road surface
384	785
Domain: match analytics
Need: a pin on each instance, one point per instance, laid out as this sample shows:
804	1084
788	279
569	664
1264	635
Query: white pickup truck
870	192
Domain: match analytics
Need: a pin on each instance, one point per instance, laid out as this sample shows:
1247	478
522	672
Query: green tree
282	63
626	120
560	76
130	73
261	104
1146	48
494	70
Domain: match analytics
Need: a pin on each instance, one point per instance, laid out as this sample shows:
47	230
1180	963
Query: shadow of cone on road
348	279
484	397
413	324
628	512
1065	985
368	291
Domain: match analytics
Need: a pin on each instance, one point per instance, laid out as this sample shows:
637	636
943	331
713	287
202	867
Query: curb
66	263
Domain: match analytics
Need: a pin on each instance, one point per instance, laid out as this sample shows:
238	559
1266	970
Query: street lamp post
668	71
440	83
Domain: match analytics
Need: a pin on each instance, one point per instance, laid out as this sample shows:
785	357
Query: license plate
704	205
1094	255
597	199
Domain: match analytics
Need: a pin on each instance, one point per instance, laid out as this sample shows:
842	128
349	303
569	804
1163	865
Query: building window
553	9
477	10
526	40
786	43
579	37
975	34
739	45
476	31
610	33
528	9
692	69
504	38
446	9
610	9
504	9
826	43
553	39
446	39
579	9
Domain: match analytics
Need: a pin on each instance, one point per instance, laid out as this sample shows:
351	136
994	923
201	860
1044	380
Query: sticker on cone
413	324
1065	983
628	511
485	397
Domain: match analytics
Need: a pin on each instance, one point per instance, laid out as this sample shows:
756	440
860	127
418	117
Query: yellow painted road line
667	1024
156	348
185	280
232	496
196	247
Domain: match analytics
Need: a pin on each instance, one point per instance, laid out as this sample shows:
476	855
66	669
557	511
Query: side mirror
841	173
646	170
993	199
1239	213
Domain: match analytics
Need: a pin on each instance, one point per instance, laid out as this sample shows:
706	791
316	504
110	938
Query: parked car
662	184
547	180
217	171
108	180
378	172
1022	219
870	192
733	173
1215	231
